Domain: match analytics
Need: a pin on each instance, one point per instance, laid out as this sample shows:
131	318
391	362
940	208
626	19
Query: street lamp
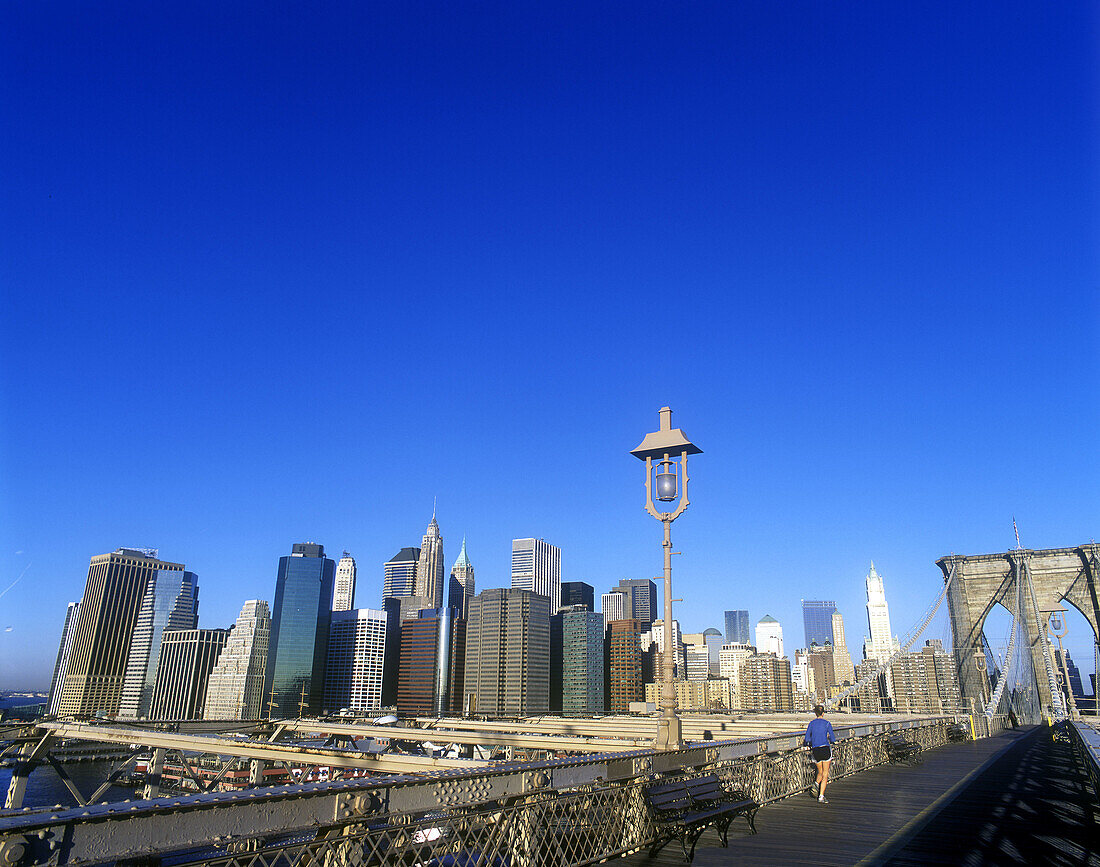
665	454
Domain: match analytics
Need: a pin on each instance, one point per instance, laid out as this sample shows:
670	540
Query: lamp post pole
670	448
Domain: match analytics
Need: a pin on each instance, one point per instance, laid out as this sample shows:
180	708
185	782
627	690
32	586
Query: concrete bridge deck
1017	798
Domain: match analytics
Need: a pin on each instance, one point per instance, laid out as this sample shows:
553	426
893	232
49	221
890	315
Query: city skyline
853	249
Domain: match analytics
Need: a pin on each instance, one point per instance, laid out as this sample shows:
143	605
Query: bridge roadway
1017	798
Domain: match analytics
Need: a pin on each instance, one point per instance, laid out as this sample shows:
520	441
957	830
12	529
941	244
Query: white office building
343	593
536	566
614	606
235	688
880	644
356	652
769	636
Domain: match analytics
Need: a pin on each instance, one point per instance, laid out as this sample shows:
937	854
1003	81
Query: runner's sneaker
822	799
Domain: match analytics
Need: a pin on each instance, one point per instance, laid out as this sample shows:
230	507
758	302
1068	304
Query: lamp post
665	454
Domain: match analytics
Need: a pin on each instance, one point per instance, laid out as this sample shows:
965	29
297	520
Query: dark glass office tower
299	631
578	593
643	600
817	616
737	627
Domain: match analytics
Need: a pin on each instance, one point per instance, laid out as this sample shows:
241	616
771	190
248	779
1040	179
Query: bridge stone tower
1057	574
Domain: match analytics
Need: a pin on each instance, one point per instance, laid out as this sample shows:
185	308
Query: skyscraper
400	571
187	657
536	566
842	659
817	616
299	631
642	593
64	649
508	652
429	571
235	688
171	601
765	683
461	589
577	593
343	595
880	645
615	605
769	636
624	665
113	595
356	651
582	662
737	627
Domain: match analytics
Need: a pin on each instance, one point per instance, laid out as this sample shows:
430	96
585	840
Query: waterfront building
461	589
729	659
925	682
769	636
113	594
429	570
880	643
356	652
823	671
536	566
642	606
765	683
235	688
171	601
187	657
817	617
507	669
653	648
614	606
578	593
61	664
299	631
693	695
400	574
343	593
737	627
624	665
842	659
582	661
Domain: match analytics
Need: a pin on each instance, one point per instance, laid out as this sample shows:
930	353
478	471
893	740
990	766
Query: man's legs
823	776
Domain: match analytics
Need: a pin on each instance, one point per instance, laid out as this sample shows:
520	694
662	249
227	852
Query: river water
45	789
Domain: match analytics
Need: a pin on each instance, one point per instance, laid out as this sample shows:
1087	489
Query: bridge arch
980	581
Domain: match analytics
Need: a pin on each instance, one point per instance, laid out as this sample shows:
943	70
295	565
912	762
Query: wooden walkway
932	813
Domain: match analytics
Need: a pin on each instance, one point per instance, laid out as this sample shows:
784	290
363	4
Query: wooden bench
958	732
900	749
682	809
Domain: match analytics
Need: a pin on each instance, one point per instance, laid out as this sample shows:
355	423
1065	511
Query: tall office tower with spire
817	617
507	669
343	594
187	657
400	574
880	645
113	595
429	571
536	566
461	585
737	627
61	665
171	601
842	659
299	631
642	593
235	689
769	636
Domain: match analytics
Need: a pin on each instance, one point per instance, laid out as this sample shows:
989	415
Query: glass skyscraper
300	626
737	627
817	617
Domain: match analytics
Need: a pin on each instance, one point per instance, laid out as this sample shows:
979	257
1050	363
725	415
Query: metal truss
531	814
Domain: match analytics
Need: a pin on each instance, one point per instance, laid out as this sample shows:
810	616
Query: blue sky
284	273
